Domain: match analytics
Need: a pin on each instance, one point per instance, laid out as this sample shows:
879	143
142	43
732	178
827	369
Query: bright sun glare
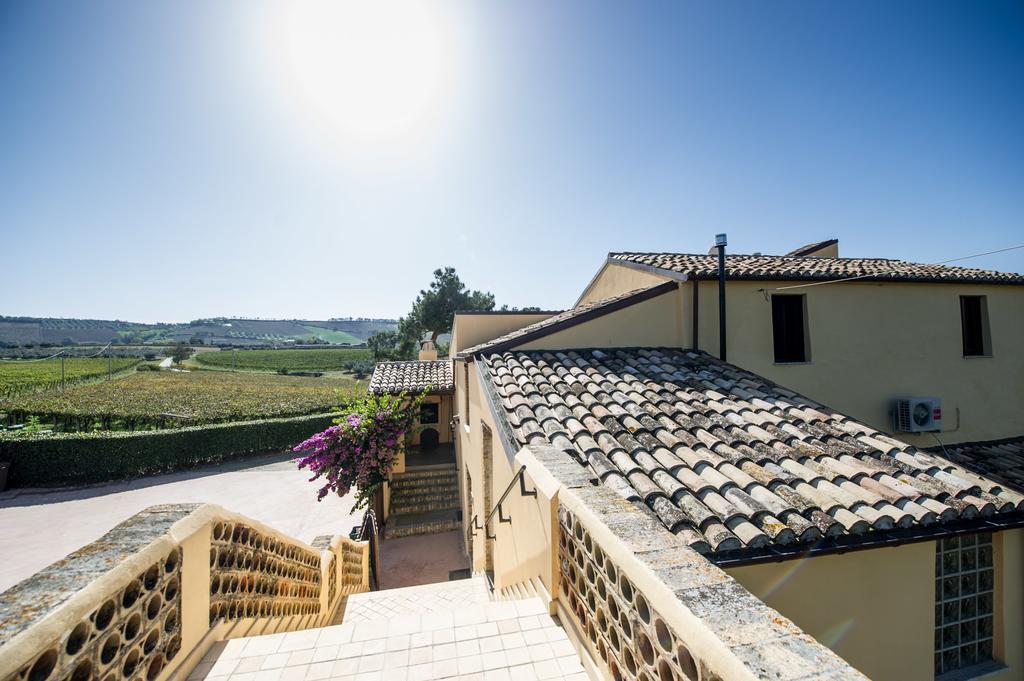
373	69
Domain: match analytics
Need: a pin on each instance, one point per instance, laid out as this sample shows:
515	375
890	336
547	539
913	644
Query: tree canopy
432	314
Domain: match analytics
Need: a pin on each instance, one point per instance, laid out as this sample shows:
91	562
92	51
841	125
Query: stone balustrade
145	601
644	606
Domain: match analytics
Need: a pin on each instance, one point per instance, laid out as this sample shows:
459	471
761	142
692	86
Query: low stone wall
145	601
646	606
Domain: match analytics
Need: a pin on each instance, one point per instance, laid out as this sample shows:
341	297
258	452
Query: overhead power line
893	269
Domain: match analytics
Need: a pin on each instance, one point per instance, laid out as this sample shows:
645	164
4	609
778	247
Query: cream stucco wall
876	608
611	280
653	322
473	328
873	342
870	342
444	418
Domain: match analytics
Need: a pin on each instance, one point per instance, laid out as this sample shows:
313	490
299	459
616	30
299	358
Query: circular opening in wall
665	671
664	635
687	663
613	669
173	646
171	590
77	638
626	588
171	562
104	615
132	626
154	667
214	584
598	556
627	629
151	577
643	644
108	651
171	621
610	570
153	607
218	530
613	638
131	594
613	607
627	659
149	645
131	661
82	671
43	666
642	609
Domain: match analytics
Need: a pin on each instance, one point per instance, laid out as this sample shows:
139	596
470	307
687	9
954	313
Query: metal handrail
368	532
518	477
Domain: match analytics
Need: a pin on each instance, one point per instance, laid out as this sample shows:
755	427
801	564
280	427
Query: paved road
38	527
166	362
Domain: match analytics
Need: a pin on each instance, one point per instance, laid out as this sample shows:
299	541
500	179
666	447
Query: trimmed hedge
77	458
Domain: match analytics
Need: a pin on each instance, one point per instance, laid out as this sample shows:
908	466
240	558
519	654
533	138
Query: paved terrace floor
39	527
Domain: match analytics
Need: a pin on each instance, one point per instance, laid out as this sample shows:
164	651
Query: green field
145	399
327	359
21	377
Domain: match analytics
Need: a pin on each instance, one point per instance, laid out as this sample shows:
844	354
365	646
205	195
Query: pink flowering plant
360	449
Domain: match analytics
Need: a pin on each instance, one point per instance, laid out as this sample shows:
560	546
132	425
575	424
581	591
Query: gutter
851	543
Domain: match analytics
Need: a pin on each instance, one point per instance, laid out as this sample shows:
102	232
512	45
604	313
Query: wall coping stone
737	634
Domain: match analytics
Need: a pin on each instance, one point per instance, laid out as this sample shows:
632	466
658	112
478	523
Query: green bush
77	458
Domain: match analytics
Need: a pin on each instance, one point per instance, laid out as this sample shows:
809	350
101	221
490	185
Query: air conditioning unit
917	415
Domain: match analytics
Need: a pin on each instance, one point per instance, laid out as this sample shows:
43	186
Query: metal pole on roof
720	243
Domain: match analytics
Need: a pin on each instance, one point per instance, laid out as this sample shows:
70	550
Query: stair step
428	522
410	498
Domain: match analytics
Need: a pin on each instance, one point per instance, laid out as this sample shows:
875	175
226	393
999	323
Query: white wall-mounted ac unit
917	415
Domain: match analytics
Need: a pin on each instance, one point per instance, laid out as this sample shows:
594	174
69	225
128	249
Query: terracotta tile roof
784	267
576	315
392	378
735	464
1001	460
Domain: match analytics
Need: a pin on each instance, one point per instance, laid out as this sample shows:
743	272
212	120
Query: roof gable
563	320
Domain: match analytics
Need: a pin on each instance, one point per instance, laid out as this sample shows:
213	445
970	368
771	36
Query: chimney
428	351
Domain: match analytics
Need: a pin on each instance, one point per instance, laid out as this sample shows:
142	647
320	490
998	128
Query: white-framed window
964	602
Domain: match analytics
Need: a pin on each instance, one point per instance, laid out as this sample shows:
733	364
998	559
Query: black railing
521	479
369	532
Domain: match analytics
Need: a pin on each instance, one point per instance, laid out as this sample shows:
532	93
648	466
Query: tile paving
448	630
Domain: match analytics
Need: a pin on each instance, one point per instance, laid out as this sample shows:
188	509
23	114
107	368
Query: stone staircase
447	630
424	501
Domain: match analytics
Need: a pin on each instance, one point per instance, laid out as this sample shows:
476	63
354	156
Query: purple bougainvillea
360	449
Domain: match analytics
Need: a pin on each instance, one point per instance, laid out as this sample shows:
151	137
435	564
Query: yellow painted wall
871	342
612	280
444	418
874	608
472	329
653	322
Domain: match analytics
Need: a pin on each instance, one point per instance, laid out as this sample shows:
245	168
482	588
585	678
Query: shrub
77	458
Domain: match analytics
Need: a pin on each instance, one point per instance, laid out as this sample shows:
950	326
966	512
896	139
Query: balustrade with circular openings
623	628
131	636
257	575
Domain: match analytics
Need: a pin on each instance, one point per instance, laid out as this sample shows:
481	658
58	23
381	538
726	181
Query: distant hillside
213	331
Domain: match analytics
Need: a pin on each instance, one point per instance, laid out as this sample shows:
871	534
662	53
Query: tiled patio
449	630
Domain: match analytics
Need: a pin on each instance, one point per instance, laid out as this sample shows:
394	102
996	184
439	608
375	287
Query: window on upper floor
430	412
789	328
964	602
974	324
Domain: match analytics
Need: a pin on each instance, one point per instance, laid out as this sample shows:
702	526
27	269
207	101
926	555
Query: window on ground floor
964	581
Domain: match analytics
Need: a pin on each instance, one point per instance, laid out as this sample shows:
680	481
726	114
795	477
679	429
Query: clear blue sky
173	160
